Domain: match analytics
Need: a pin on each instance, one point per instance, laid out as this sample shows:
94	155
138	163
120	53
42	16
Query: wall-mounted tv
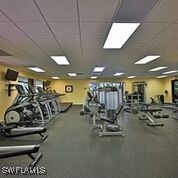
11	75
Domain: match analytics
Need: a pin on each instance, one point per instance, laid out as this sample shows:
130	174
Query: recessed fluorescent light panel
147	59
162	76
98	69
60	60
72	74
118	74
170	72
157	69
55	77
93	77
36	69
131	76
119	34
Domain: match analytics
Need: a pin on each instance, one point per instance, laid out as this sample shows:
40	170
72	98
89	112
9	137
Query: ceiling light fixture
93	77
133	76
72	74
147	59
98	69
36	69
118	74
60	60
157	69
119	34
162	76
170	72
55	77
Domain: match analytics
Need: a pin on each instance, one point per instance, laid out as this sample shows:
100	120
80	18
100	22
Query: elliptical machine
52	101
25	111
44	105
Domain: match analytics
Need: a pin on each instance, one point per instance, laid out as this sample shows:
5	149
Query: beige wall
80	87
154	87
5	100
78	95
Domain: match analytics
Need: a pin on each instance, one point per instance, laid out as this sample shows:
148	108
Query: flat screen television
11	75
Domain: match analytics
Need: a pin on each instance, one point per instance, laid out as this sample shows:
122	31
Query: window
23	81
38	83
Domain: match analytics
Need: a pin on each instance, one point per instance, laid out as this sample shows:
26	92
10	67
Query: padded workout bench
148	114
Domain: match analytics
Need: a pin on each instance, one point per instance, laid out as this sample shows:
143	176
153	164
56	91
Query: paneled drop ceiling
32	30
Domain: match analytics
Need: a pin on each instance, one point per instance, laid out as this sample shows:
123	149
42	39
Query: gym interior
89	88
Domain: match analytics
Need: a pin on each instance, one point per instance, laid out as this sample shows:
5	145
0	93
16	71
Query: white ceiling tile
65	30
95	53
150	30
49	45
94	29
135	44
19	56
20	10
35	29
173	52
60	10
71	47
134	10
10	48
97	10
166	11
10	60
28	46
69	43
118	57
9	30
172	44
159	43
152	37
170	33
92	43
3	18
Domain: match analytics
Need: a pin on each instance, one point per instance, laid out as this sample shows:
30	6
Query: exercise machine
174	108
43	103
29	150
140	88
149	114
132	102
110	118
111	126
85	108
24	110
13	130
94	114
52	101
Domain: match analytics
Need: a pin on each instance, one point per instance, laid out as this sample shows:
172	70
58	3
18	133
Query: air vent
134	10
3	53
